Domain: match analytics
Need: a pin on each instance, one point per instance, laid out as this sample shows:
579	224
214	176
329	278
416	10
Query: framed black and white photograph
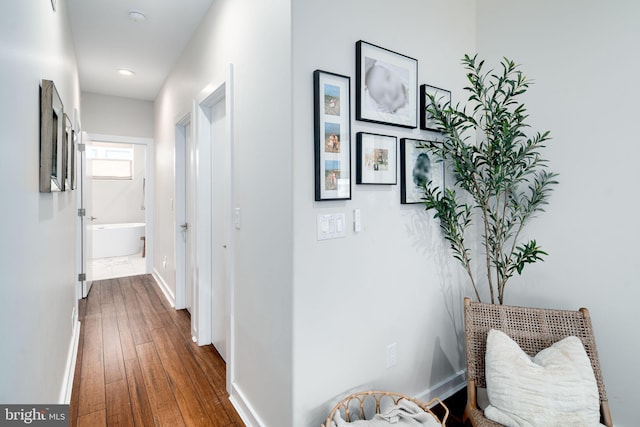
418	167
387	86
443	99
376	159
332	129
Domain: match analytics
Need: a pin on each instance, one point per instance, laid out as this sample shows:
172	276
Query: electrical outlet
392	355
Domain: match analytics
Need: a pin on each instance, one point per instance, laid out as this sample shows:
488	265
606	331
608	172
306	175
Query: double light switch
331	226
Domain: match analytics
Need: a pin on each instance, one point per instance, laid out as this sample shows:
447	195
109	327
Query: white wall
313	318
394	282
118	201
582	58
114	115
256	37
37	230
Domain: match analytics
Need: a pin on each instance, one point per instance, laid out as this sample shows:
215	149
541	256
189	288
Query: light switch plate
331	226
236	218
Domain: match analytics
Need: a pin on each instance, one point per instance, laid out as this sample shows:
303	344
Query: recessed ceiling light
137	16
125	72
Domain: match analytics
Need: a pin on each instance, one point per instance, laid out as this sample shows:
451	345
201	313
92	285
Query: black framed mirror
52	139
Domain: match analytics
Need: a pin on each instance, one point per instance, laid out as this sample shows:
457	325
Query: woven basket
369	403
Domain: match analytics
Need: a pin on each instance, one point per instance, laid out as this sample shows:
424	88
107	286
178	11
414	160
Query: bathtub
113	240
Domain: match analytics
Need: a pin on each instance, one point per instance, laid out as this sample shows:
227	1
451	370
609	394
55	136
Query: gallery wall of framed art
389	104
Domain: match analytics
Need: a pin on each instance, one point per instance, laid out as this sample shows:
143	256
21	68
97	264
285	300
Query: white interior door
214	236
185	225
190	210
220	227
210	320
86	193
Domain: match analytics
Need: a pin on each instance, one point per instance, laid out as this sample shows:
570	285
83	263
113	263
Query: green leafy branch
498	169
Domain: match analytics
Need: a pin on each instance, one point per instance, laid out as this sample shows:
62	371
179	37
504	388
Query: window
110	161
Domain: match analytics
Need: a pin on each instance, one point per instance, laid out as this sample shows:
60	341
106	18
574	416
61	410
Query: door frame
84	285
149	176
183	153
201	126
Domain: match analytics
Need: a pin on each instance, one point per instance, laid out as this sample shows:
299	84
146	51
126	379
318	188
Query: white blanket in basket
406	413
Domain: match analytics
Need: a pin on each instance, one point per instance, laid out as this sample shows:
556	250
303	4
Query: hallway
137	364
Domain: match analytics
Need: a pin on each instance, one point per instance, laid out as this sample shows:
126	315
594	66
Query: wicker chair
534	330
369	403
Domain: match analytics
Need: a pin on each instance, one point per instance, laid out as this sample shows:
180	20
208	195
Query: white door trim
85	267
230	108
202	304
182	155
202	318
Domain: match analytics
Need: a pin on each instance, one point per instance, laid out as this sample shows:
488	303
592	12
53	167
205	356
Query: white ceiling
106	39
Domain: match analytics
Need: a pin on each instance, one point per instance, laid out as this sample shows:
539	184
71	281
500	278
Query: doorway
220	226
184	214
203	217
117	209
117	189
213	246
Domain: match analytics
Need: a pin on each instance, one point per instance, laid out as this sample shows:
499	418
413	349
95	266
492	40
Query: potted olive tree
501	180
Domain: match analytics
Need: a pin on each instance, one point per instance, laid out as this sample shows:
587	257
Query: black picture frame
414	159
376	159
380	103
332	135
69	155
52	131
74	159
442	96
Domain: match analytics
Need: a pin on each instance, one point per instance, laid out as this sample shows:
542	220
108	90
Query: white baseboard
70	368
164	288
446	388
243	407
443	390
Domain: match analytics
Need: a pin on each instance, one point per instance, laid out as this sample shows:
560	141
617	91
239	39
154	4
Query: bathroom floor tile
111	268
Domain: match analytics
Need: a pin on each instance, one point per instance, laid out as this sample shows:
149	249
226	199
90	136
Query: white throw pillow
555	388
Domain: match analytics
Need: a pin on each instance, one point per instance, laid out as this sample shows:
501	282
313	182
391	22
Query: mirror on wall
52	139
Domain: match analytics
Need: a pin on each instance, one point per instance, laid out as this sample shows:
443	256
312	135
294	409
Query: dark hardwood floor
137	365
456	404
